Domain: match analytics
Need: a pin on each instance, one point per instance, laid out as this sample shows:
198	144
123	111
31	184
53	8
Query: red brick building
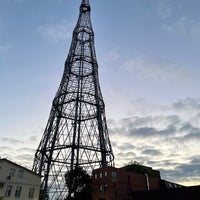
112	183
177	193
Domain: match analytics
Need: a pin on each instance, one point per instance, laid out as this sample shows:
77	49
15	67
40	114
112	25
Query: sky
149	68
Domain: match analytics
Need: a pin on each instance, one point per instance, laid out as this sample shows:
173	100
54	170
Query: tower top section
85	6
85	2
84	22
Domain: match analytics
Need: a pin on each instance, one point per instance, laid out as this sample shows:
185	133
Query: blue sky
148	56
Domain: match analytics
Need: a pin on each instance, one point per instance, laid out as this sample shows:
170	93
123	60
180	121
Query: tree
43	195
79	184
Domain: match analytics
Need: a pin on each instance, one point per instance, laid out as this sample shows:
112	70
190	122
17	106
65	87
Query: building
110	183
180	193
17	182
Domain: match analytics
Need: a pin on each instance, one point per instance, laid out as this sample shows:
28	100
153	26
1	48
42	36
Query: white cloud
184	26
189	109
142	107
164	9
56	32
168	143
165	142
11	141
187	105
20	151
159	68
113	55
175	22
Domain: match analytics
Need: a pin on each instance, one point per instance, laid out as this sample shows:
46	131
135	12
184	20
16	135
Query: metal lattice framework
76	133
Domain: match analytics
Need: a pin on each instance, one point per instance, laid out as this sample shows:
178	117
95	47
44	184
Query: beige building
17	182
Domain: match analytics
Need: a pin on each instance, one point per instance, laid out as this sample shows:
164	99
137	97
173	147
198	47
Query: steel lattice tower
76	133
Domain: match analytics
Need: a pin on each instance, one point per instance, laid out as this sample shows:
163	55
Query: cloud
56	32
164	8
136	107
126	146
189	109
193	136
158	68
184	26
33	138
150	132
5	47
26	159
113	55
168	143
181	25
187	105
195	160
26	149
157	128
11	140
5	148
127	155
184	172
151	152
23	149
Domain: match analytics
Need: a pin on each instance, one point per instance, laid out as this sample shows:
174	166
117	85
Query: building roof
17	165
168	184
140	169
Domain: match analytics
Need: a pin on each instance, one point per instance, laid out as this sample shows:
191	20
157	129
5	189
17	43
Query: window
21	173
100	175
95	176
100	188
94	188
105	174
129	179
105	187
8	190
114	175
18	191
31	193
12	172
1	184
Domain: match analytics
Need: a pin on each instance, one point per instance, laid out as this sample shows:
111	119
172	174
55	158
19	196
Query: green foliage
79	184
137	168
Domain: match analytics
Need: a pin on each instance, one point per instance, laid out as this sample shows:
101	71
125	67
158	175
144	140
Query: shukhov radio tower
76	133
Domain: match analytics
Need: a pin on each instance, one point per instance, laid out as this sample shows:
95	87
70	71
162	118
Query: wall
117	184
17	176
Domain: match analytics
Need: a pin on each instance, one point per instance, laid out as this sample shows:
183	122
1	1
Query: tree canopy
79	184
